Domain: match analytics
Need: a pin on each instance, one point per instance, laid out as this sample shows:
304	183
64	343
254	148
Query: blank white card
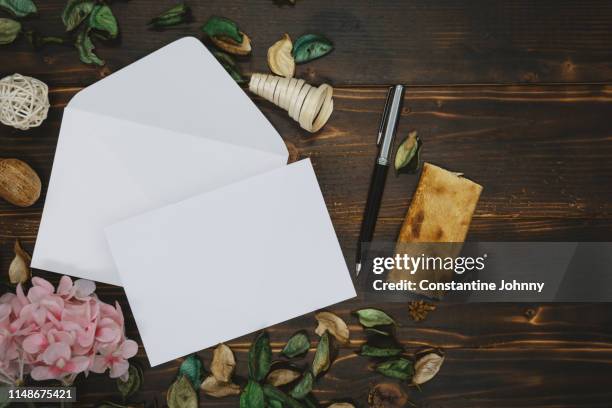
229	262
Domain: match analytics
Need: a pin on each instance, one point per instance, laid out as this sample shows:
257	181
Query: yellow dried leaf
231	46
19	270
282	376
219	389
426	368
223	363
334	325
280	59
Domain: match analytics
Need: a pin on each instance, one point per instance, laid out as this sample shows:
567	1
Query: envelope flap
182	87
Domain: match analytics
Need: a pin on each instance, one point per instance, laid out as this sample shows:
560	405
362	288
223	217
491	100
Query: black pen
384	141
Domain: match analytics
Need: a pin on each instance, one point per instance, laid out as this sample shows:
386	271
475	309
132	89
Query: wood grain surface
515	94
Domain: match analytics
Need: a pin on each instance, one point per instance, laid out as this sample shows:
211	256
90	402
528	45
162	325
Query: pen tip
358	268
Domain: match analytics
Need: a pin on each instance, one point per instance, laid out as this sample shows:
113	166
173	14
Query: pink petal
99	365
34	343
37	293
56	351
41	373
21	296
128	349
84	288
43	284
77	365
119	368
65	286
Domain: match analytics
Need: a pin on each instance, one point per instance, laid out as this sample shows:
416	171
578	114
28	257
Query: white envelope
169	126
229	262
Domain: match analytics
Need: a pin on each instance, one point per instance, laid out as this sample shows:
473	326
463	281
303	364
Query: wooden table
515	94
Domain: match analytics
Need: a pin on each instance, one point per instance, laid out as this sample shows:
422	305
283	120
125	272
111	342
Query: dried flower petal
224	33
373	317
252	396
260	357
277	399
419	310
407	155
223	363
9	30
181	394
334	325
280	59
177	14
192	368
132	383
387	395
282	376
219	389
311	46
19	270
399	368
18	8
372	351
303	388
341	405
427	367
297	345
322	357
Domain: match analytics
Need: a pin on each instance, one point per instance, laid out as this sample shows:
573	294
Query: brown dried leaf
282	376
19	270
387	395
427	367
218	389
334	325
223	363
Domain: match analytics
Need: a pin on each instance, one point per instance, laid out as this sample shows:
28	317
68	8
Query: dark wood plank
416	41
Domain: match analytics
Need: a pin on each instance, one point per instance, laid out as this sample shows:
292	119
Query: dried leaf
282	376
297	345
419	310
372	351
260	357
303	387
408	153
334	325
274	394
252	396
377	331
103	20
322	357
75	12
178	14
280	59
230	66
181	394
373	317
192	368
19	269
223	363
218	389
427	367
311	46
9	30
341	405
38	41
18	8
85	47
400	368
133	382
224	33
387	395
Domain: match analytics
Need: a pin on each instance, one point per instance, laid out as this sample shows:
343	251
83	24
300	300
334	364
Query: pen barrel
370	214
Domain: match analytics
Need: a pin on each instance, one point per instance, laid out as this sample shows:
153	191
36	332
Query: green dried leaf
322	357
297	345
310	47
274	394
86	48
304	387
75	12
408	152
230	66
19	8
103	19
133	382
373	351
310	402
192	368
373	317
400	368
181	394
9	30
178	14
377	331
38	41
260	357
252	396
220	27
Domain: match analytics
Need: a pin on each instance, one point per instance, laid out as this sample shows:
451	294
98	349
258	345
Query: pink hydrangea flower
59	333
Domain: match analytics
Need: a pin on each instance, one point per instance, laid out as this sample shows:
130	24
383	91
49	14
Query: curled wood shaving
334	325
19	270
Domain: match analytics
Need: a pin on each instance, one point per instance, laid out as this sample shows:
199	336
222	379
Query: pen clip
385	114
